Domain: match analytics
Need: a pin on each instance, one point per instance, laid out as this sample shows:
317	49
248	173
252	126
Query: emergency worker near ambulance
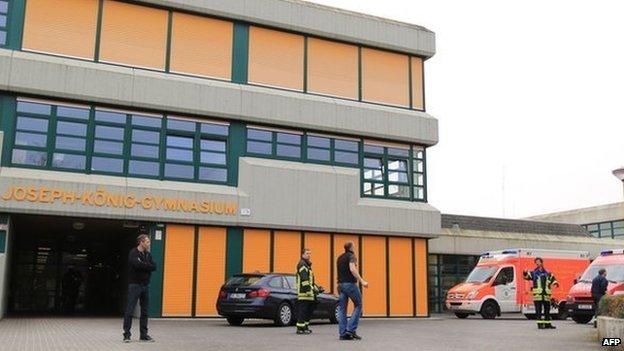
543	282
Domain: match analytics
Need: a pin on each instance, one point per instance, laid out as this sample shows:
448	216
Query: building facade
234	133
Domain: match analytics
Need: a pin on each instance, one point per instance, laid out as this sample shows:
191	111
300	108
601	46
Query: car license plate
237	296
585	307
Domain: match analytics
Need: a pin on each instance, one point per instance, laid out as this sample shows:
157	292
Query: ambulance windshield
481	274
615	272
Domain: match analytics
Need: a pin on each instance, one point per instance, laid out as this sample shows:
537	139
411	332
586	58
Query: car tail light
222	294
258	293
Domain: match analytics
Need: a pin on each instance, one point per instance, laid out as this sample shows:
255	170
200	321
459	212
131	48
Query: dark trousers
140	293
596	303
305	309
542	312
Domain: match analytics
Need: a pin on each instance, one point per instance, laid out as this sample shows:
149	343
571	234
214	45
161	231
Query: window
606	229
31	133
385	77
332	68
276	283
275	58
145	145
418	167
281	144
108	146
65	27
290	279
505	276
4	13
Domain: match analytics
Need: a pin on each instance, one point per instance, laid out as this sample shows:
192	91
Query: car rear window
243	280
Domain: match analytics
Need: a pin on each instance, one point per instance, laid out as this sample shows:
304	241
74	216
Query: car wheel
235	321
284	315
489	310
563	311
333	318
582	319
461	315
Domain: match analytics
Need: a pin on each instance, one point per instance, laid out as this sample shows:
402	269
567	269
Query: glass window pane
109	116
30	139
32	124
401	191
398	151
140	150
605	233
114	133
69	161
4	6
68	143
400	177
419	193
592	227
605	226
179	154
288	151
618	224
28	157
289	138
373	174
144	168
177	141
318	141
257	134
618	231
179	171
346	157
418	166
145	121
217	129
419	179
213	157
145	136
72	112
108	147
373	149
70	128
398	165
318	154
213	145
2	37
348	145
187	126
213	174
372	162
373	189
2	20
259	147
104	164
31	107
419	153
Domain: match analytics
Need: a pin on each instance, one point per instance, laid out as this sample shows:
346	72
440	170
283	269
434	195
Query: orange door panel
420	263
286	251
319	243
400	277
339	241
256	250
374	272
178	271
210	269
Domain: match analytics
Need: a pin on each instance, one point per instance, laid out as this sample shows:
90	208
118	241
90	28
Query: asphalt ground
440	332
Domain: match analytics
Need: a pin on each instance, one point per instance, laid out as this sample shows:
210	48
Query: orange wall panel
256	250
275	58
420	260
418	88
339	241
400	277
332	68
286	251
210	269
319	243
64	27
133	35
201	46
178	271
385	77
374	272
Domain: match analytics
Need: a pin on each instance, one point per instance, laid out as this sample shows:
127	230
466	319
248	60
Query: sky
528	95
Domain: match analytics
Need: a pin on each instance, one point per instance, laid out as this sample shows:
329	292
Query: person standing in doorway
598	290
348	277
543	282
140	268
306	293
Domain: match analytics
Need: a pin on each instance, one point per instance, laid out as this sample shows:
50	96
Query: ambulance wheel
530	316
582	319
489	310
461	315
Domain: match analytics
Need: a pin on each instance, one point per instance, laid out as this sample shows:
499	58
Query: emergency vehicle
496	284
579	301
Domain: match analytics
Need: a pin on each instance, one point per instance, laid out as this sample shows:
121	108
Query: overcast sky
532	90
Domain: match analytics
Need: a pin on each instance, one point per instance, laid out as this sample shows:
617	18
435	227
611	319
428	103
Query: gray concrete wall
278	194
29	73
474	242
604	213
325	21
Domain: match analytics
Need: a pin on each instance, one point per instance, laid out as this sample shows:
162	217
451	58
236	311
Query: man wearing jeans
348	277
140	268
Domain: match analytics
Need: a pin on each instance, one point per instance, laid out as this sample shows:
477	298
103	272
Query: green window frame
386	171
4	22
92	139
610	229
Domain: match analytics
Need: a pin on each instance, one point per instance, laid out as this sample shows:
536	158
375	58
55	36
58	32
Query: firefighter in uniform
543	282
306	293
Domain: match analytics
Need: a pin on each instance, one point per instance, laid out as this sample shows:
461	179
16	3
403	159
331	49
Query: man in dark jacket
598	290
140	268
307	291
543	283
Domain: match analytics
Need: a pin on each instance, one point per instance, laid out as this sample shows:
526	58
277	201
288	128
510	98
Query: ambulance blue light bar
611	252
509	252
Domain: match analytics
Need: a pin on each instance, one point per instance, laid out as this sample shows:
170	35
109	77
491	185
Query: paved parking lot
441	332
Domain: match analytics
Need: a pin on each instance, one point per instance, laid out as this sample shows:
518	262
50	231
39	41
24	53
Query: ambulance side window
505	276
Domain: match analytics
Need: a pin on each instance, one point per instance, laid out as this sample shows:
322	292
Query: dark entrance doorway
70	266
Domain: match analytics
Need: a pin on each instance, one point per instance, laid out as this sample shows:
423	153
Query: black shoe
355	336
346	336
540	326
300	331
550	326
147	338
126	339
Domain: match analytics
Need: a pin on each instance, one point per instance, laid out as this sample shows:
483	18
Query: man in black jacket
140	268
598	290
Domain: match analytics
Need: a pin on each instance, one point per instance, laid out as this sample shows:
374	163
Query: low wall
609	327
